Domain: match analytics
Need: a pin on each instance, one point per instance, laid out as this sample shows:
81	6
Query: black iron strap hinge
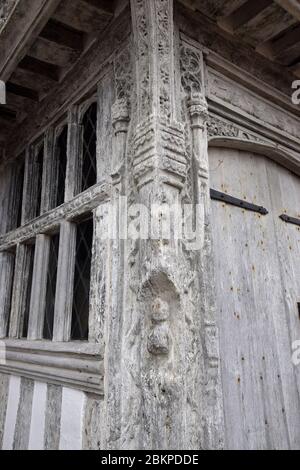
218	196
290	220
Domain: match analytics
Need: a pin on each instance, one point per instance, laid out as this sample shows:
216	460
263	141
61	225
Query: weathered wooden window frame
79	363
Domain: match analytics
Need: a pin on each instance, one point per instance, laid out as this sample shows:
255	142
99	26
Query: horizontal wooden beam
81	16
290	39
291	6
24	25
19	90
40	67
105	7
243	14
62	34
295	69
8	114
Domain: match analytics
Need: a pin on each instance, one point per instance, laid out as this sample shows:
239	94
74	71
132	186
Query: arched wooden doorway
257	268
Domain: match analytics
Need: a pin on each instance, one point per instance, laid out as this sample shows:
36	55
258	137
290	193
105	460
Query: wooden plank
292	6
24	92
104	7
81	16
295	68
63	35
26	79
53	53
214	8
261	391
39	67
286	41
243	14
27	20
285	199
266	25
8	114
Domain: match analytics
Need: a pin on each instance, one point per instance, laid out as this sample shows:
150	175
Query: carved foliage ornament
153	24
191	64
221	128
123	85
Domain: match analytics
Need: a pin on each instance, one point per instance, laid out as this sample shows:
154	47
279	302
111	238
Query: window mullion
65	282
39	286
6	282
19	298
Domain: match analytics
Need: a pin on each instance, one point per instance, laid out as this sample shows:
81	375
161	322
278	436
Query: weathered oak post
160	394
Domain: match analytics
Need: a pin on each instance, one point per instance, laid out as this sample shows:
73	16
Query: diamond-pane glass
89	163
61	155
51	288
80	317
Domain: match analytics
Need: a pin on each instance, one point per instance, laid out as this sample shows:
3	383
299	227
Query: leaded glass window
89	161
80	316
28	287
61	158
51	287
39	181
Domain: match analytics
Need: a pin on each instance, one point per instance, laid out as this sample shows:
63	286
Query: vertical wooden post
19	300
65	282
39	286
7	261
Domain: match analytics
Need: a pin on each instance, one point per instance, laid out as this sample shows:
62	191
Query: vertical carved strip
114	322
193	84
154	43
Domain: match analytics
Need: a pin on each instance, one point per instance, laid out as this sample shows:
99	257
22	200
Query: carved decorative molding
159	150
198	110
84	202
191	63
220	128
120	115
153	32
123	68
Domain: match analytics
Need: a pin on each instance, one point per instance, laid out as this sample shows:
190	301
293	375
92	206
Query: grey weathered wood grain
4	388
53	417
257	301
22	429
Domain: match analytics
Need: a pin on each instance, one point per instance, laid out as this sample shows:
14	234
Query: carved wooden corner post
154	359
159	393
192	73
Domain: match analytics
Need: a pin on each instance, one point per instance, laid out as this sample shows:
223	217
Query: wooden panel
261	386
